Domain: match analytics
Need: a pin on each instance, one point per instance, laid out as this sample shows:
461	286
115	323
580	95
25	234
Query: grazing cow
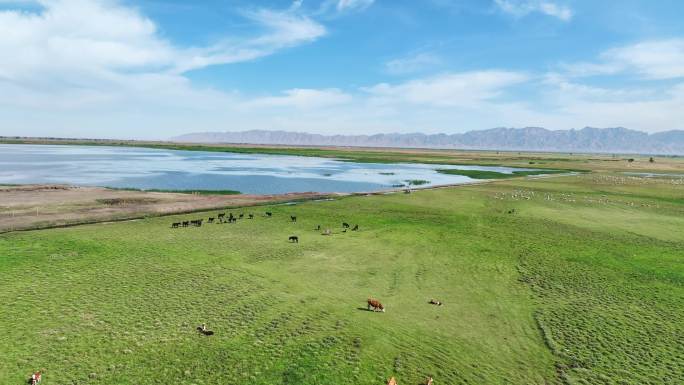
435	302
221	215
294	239
186	223
375	305
175	225
242	215
293	218
202	329
392	381
345	225
268	213
251	216
429	381
327	232
35	378
356	227
211	220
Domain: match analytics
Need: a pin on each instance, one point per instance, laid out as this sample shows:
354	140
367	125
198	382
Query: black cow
356	227
211	220
242	215
293	218
268	213
293	239
251	216
175	225
186	223
345	225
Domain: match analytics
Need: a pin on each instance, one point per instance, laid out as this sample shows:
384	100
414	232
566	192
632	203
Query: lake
143	168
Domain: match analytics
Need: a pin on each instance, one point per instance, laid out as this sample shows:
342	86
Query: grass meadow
562	280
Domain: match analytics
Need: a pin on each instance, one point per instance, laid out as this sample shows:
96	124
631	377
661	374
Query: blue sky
157	68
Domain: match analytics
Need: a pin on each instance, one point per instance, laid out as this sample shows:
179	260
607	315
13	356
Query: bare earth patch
41	206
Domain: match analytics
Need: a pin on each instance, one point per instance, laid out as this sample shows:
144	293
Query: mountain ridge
587	139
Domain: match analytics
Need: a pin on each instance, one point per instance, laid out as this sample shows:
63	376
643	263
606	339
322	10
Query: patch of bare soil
42	206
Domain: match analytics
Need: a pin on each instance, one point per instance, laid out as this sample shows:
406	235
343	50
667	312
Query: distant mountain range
588	139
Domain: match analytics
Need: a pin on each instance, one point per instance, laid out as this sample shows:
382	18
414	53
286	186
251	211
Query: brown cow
392	381
375	305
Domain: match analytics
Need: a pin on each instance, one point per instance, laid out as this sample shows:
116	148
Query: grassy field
570	279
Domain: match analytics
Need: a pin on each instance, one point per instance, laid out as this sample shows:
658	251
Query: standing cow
375	305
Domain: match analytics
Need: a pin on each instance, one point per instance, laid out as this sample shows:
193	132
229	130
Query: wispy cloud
348	5
465	89
102	37
654	59
520	8
413	63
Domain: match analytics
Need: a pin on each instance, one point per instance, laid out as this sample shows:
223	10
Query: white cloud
71	37
302	98
466	89
662	59
520	8
655	59
347	5
411	64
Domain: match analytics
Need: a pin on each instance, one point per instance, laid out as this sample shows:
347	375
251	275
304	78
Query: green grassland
563	280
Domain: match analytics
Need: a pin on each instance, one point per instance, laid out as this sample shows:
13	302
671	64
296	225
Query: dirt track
42	206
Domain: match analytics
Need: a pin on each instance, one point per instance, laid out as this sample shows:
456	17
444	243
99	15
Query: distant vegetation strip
180	191
482	174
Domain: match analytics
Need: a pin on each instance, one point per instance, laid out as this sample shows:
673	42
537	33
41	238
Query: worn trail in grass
536	296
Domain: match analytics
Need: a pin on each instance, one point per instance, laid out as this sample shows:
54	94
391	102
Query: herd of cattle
221	218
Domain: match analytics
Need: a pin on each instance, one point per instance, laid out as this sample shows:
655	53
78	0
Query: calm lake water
143	168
